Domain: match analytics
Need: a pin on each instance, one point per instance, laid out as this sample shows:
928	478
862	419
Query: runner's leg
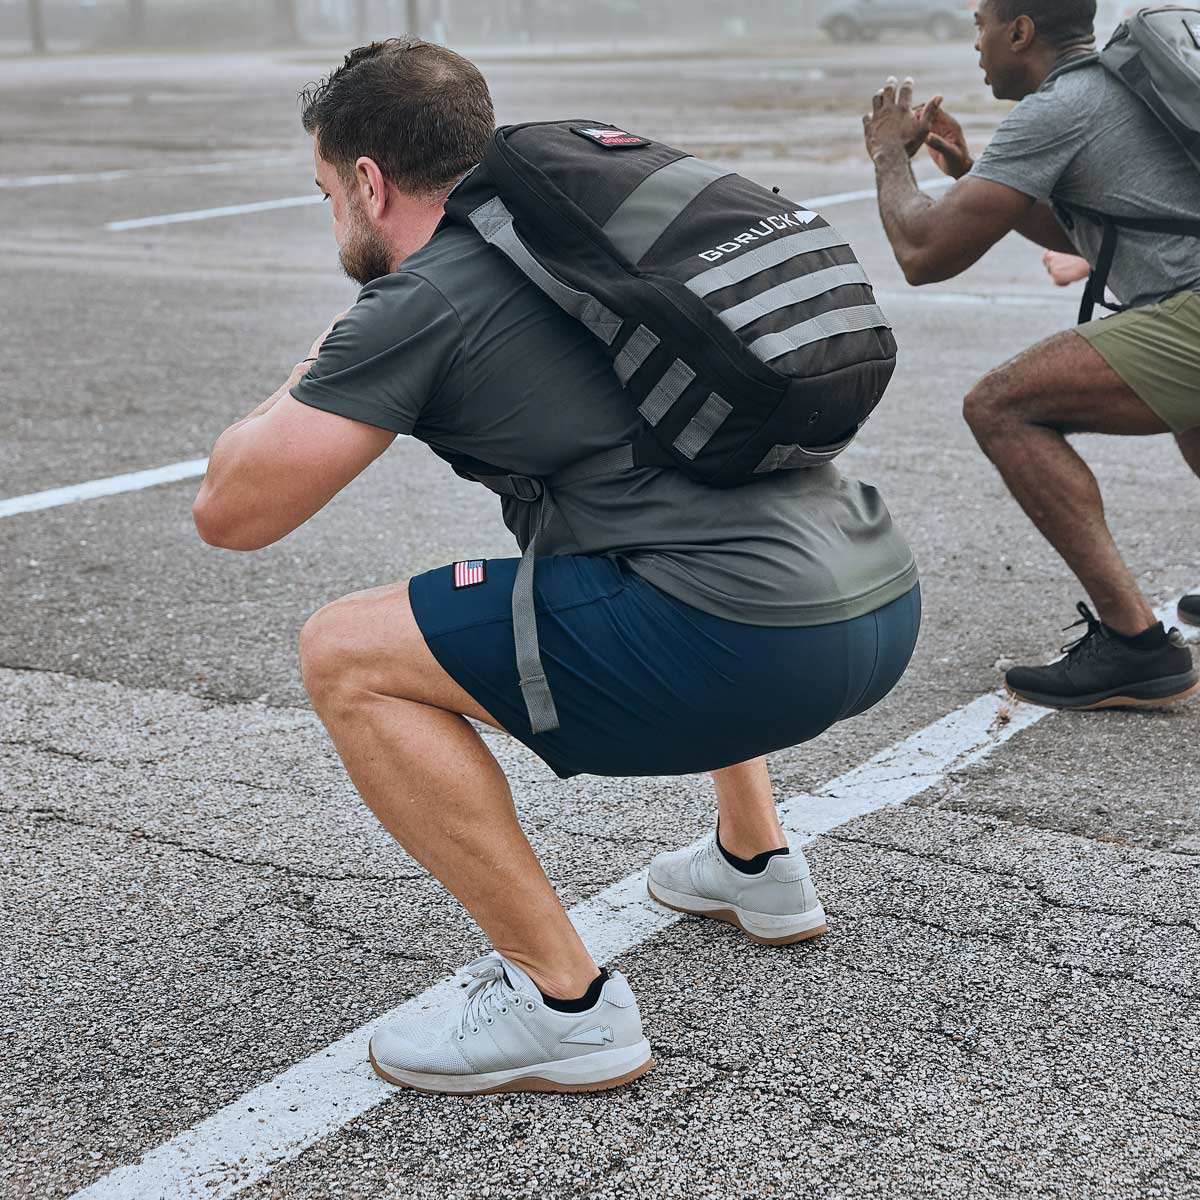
749	822
395	717
1020	414
1189	446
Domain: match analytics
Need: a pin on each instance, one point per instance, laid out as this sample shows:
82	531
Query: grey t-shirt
461	351
1084	137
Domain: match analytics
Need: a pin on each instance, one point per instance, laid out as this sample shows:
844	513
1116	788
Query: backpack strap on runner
539	703
1112	226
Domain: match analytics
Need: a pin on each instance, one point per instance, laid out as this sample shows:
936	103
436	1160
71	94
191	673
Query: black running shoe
1105	670
1189	610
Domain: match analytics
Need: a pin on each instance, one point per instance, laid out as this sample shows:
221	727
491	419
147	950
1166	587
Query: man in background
1077	136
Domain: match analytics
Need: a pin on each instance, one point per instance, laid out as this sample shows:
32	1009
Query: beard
365	256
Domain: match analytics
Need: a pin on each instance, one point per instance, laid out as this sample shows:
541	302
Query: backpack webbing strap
1098	280
494	223
539	703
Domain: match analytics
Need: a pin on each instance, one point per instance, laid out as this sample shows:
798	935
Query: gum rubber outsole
1108	702
529	1083
731	918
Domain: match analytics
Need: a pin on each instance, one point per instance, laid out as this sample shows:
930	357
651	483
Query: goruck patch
610	139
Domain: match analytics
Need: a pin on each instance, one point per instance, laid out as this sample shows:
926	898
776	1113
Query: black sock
1148	639
588	1000
749	866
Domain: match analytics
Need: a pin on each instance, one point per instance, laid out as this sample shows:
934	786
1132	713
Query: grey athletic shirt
461	351
1084	137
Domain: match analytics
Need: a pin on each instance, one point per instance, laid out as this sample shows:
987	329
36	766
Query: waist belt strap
539	703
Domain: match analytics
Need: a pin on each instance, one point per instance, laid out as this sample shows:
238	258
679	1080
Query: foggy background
99	25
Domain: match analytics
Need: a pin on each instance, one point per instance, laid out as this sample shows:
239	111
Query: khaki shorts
1156	350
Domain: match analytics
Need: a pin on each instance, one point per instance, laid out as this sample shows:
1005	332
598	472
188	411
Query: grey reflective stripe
607	462
784	458
635	352
827	325
539	703
807	287
668	389
698	432
643	216
495	225
771	255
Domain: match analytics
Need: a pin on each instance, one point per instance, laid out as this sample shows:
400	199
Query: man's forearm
903	207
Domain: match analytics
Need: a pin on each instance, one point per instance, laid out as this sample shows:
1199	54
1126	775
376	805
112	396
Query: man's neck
1057	57
416	226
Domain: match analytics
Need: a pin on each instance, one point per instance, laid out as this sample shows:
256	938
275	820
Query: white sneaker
777	906
500	1036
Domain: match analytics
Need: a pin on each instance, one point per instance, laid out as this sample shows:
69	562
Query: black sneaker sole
1186	619
1154	693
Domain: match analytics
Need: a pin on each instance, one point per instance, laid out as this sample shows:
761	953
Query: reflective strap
807	287
668	389
643	216
784	458
827	325
607	462
771	255
539	703
495	225
635	352
698	432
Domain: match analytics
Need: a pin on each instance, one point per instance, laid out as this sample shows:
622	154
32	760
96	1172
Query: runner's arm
274	469
939	239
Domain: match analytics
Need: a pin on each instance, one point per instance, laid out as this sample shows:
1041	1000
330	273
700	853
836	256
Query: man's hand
946	142
315	348
1066	269
892	123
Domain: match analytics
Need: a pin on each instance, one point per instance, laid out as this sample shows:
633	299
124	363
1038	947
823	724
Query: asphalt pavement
193	896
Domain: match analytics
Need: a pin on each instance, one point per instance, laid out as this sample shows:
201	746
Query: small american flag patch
470	573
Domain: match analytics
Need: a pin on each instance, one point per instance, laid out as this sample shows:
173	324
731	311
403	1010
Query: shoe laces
1085	646
488	992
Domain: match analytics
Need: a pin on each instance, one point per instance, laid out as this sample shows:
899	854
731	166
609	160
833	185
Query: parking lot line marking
276	1121
112	486
211	168
205	214
234	210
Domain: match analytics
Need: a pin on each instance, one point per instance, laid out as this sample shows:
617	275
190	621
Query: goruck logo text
764	229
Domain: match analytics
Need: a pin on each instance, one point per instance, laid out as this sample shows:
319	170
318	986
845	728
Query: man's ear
1022	33
372	187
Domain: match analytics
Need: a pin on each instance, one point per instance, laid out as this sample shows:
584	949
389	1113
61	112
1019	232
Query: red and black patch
610	139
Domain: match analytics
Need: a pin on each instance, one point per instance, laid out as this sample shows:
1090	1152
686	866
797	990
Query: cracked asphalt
193	897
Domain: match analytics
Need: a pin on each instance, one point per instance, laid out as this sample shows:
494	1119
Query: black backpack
1156	54
740	323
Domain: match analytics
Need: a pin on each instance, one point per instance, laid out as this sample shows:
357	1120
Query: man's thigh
375	635
1066	384
1155	350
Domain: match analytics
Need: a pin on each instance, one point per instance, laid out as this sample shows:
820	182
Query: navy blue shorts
647	685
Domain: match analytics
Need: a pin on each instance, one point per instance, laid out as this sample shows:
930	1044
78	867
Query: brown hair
420	111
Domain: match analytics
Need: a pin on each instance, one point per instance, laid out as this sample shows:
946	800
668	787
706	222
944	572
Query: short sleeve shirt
1084	138
461	351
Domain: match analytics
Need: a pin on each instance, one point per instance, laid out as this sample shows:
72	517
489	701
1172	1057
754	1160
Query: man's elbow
920	267
223	530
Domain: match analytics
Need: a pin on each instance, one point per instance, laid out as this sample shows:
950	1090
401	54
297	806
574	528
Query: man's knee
339	648
989	405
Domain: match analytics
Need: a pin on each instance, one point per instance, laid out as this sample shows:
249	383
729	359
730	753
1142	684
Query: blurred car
865	20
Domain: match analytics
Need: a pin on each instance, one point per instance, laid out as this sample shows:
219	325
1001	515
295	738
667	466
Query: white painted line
213	168
206	214
275	1122
233	210
103	487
